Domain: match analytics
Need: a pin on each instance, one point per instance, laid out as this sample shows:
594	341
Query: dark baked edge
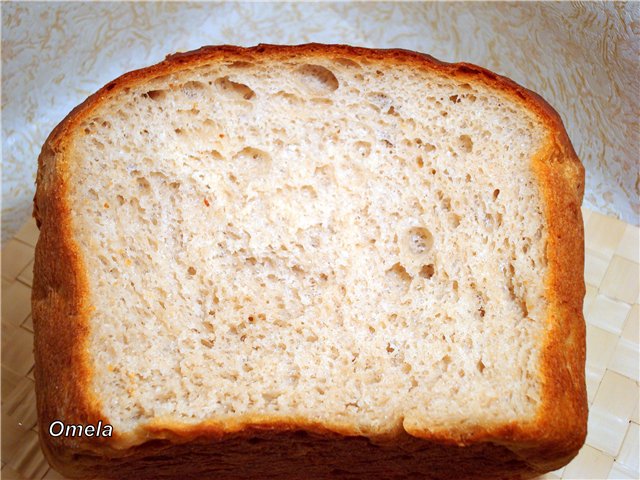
61	313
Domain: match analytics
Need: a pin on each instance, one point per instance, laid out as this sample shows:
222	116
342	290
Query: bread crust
251	445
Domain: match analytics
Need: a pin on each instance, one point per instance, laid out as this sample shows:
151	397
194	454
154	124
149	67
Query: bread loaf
310	262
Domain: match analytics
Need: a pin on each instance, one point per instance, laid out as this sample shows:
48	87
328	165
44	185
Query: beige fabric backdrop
582	57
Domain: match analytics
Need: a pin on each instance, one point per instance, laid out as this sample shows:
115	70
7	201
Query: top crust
61	312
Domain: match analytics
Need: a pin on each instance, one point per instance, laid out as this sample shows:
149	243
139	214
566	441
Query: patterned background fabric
583	58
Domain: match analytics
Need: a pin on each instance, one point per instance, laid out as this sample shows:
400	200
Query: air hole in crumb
466	144
427	271
482	312
401	272
318	79
420	162
254	154
322	101
290	98
157	95
191	271
389	348
454	99
420	240
496	192
240	64
191	88
270	397
480	366
388	144
234	89
214	154
363	149
345	62
308	192
143	183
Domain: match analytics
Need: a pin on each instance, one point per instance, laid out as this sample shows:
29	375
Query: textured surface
288	174
582	57
62	290
612	357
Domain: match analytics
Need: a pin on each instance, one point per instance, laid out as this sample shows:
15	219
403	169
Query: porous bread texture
334	240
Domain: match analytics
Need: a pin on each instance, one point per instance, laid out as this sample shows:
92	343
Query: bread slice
310	261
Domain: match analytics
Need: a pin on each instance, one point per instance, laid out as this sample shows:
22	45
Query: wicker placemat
611	310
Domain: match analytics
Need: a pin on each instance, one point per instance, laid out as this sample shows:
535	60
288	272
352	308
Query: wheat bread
310	261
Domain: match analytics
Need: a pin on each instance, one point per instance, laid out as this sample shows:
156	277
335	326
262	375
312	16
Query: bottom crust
300	455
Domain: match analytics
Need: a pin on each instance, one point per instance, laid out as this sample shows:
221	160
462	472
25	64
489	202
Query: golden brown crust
253	446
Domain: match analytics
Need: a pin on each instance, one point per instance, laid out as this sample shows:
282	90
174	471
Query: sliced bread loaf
311	261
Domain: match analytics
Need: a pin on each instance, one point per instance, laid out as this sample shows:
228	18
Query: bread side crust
61	299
